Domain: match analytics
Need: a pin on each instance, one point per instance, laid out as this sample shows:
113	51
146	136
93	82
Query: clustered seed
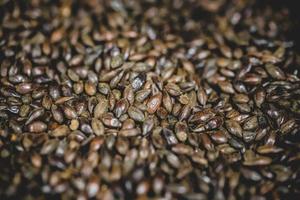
129	99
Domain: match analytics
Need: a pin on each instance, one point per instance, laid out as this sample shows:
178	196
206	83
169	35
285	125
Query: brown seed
143	188
136	114
202	116
261	133
47	102
57	114
167	102
252	79
169	136
97	127
101	108
266	149
138	81
259	97
226	87
86	128
275	72
130	132
142	95
249	136
173	160
214	123
78	87
206	142
93	187
62	100
36	160
121	107
201	96
128	124
73	76
162	113
185	112
251	174
199	159
60	131
103	88
56	36
234	128
288	126
258	161
250	123
116	61
173	89
181	131
115	81
110	121
35	115
24	88
69	112
24	110
90	88
219	137
129	94
37	126
181	148
241	98
74	124
148	125
154	103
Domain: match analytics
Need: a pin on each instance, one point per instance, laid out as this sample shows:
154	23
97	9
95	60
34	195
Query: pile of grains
166	99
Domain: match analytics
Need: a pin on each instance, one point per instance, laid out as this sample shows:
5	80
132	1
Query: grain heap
129	99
